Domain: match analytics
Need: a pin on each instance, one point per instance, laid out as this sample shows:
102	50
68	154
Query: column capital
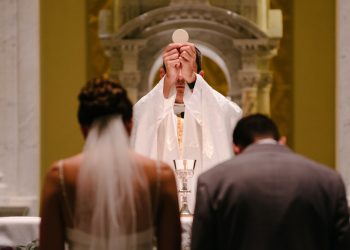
254	78
129	79
130	45
259	47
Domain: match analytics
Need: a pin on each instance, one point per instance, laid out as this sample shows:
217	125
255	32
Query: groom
269	198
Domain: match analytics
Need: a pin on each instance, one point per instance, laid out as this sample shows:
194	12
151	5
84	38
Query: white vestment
207	131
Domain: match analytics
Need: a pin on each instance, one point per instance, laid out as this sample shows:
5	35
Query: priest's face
179	83
180	88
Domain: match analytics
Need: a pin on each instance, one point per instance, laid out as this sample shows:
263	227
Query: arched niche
240	47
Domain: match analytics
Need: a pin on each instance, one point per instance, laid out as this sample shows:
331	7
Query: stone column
264	90
343	92
124	56
129	76
19	106
255	78
249	87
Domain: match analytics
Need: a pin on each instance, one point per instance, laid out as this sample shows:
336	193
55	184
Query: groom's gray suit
269	198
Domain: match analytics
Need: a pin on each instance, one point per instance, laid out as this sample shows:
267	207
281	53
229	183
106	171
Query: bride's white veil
113	199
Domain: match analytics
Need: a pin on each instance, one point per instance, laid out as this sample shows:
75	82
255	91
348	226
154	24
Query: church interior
286	59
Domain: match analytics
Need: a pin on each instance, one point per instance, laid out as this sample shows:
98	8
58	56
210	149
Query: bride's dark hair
102	97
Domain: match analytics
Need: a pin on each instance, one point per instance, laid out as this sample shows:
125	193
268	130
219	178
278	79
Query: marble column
255	77
19	105
129	76
264	91
249	88
343	92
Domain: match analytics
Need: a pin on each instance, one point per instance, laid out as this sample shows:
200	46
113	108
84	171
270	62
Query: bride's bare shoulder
150	166
70	169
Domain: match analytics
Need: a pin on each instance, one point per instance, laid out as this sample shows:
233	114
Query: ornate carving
248	78
265	78
129	79
257	46
177	2
256	87
243	41
126	71
190	15
130	46
254	78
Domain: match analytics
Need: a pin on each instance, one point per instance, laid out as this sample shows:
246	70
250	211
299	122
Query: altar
21	231
186	230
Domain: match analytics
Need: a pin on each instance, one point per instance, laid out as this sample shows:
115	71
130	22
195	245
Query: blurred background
278	57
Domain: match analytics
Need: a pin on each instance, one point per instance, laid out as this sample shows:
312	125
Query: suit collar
266	147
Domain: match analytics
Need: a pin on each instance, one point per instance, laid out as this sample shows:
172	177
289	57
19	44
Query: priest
182	117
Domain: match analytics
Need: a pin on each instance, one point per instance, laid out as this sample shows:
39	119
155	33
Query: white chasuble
207	127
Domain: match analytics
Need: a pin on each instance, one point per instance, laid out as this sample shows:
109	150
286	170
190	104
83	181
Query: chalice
184	169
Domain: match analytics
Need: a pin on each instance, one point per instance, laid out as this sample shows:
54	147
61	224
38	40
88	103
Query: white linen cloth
207	132
186	231
16	231
78	240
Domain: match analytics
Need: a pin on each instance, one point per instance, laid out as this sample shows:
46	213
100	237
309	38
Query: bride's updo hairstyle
100	98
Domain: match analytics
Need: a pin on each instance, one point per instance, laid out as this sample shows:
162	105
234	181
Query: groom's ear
282	140
236	149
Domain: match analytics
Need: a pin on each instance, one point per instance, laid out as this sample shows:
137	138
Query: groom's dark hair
252	127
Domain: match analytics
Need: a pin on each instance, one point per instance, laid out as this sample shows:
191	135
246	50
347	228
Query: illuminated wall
302	97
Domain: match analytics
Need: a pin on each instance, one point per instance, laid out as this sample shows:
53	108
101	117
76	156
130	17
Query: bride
108	197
